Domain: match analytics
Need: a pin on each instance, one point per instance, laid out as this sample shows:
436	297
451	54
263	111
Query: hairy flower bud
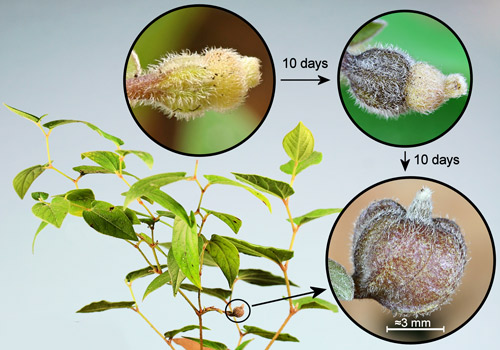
388	82
408	261
187	85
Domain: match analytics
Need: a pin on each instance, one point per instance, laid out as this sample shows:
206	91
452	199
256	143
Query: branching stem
200	320
136	246
292	312
136	309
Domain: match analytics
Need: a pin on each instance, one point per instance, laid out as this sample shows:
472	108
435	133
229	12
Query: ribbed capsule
408	261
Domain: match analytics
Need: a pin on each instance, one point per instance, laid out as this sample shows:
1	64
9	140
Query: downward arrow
405	162
315	291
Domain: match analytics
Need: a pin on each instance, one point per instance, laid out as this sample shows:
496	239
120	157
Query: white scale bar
387	329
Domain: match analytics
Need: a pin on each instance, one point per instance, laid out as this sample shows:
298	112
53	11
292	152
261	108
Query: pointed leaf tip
23	114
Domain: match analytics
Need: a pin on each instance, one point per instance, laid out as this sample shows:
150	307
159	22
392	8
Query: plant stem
63	174
200	320
153	248
284	267
241	334
195	178
136	309
50	166
294	173
189	301
203	219
143	255
292	312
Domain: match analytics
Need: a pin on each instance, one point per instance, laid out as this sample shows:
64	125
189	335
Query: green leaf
269	335
167	214
144	156
220	293
158	282
215	179
25	178
109	220
299	143
108	160
149	241
275	254
368	32
53	212
313	159
209	343
226	256
175	272
166	245
148	221
277	188
207	259
243	345
340	280
171	334
43	224
132	276
23	114
315	303
93	169
148	185
315	214
262	278
104	305
169	203
79	199
185	248
39	196
232	221
131	215
55	123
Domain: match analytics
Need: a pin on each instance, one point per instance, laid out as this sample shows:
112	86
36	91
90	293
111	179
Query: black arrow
405	162
315	291
320	80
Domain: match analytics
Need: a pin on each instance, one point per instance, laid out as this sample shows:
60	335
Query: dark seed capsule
237	311
408	261
378	79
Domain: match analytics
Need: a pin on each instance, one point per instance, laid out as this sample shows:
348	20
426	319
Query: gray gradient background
66	59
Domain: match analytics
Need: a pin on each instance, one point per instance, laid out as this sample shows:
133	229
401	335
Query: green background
426	40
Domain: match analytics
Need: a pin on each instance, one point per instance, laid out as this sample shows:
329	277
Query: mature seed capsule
187	85
388	82
408	261
237	311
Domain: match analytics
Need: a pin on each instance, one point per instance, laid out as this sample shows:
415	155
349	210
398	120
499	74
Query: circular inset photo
239	311
199	80
405	78
421	258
